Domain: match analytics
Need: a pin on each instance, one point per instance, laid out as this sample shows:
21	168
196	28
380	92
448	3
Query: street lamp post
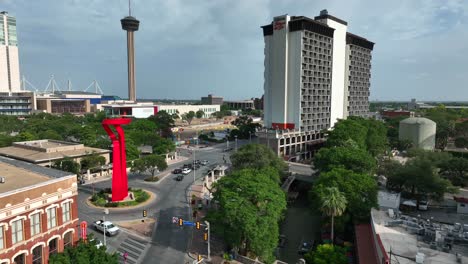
236	141
250	137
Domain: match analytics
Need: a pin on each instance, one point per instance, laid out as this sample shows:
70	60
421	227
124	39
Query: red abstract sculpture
119	168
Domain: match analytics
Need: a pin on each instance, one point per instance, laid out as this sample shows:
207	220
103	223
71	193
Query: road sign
83	226
175	219
189	223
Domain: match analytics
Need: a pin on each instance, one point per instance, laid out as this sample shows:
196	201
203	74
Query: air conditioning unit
420	258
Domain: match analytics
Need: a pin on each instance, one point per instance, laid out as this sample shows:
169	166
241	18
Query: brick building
38	212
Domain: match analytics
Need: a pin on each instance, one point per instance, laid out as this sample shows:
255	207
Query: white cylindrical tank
421	131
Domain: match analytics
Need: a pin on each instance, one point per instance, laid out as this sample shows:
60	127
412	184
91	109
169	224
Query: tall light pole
236	141
130	24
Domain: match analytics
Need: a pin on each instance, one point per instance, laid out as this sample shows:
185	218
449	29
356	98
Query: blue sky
187	49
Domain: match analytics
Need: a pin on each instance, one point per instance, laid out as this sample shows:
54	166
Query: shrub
152	179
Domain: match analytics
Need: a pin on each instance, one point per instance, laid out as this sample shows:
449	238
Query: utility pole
208	231
103	221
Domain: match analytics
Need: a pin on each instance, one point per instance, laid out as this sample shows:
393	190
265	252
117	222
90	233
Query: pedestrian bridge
297	177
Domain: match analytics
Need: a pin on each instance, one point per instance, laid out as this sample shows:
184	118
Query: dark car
305	247
196	167
196	162
188	165
179	177
177	171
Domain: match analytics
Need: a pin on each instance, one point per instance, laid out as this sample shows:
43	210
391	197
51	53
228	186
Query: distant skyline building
212	100
9	60
315	74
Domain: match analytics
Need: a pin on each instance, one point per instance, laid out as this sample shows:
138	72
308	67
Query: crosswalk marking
134	248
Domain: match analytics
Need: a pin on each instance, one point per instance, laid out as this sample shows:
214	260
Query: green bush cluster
100	198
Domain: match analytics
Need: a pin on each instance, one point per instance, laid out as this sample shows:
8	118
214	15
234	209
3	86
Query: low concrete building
291	144
145	110
240	105
462	204
44	152
38	212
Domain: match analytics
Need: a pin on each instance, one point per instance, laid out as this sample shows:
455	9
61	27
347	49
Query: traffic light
205	236
145	213
181	222
200	257
198	225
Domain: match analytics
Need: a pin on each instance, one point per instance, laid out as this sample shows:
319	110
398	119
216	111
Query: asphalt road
169	242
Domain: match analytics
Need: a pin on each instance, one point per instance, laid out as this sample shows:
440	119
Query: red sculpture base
119	163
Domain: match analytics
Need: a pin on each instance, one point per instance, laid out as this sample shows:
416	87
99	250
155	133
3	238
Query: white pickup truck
107	227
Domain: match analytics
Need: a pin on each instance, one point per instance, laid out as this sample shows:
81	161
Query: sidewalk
198	245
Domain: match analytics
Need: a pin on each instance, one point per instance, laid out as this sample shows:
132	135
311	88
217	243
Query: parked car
196	167
204	162
196	162
106	227
227	149
188	165
177	171
305	247
179	177
186	171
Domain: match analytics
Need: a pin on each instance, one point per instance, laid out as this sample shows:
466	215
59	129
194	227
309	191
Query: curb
151	199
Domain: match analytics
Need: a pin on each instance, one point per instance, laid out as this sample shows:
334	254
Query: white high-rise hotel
315	73
9	62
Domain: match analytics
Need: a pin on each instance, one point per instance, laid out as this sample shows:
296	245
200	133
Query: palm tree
333	203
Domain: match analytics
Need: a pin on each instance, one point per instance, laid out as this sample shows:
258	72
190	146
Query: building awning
365	246
461	199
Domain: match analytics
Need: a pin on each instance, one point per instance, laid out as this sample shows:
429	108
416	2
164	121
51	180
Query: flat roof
20	174
404	245
47	150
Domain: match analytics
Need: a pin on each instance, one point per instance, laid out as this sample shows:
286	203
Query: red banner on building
83	226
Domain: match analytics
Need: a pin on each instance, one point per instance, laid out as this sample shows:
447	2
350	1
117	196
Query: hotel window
17	231
35	224
51	218
66	212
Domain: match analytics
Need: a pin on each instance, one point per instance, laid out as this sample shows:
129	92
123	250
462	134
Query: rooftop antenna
129	9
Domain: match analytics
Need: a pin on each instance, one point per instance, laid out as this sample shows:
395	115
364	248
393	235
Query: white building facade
9	60
314	76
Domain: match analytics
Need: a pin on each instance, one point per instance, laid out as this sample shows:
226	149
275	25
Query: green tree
245	126
332	203
25	136
164	122
419	177
6	140
91	161
348	157
155	163
461	142
327	254
345	130
250	206
84	253
150	163
50	134
188	117
163	146
138	166
199	114
67	164
456	170
257	156
131	150
360	190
